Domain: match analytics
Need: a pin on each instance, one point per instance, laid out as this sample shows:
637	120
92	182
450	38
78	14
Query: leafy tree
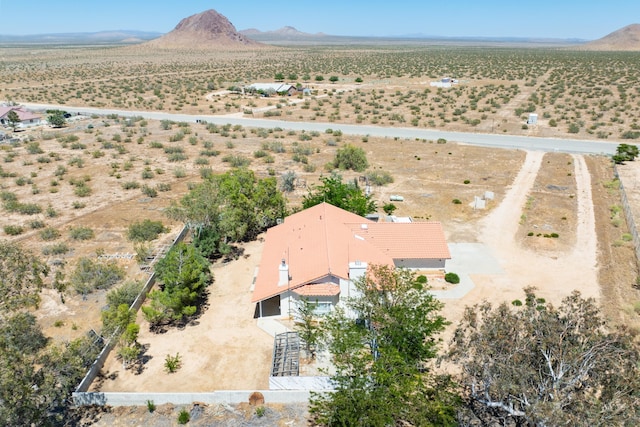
319	78
307	326
381	359
347	196
57	119
21	278
13	119
184	274
36	379
333	79
625	153
292	77
351	157
539	365
231	207
279	77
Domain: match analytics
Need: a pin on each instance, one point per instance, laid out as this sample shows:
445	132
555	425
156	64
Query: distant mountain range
211	30
100	37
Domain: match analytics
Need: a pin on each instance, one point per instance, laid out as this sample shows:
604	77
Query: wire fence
97	365
628	213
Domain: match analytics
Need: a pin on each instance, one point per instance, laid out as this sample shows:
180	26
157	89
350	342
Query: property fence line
230	397
97	364
628	213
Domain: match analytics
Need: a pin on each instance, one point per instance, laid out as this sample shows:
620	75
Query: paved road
486	140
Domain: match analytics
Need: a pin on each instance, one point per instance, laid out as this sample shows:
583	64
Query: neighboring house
272	88
318	253
27	118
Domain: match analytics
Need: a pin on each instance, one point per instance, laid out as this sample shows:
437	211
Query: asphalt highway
482	139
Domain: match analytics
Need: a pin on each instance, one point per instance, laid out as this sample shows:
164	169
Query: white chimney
283	277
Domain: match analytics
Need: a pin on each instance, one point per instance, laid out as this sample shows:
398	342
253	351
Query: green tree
36	378
319	78
351	157
57	119
333	79
13	119
382	356
279	77
292	77
227	208
347	196
625	153
184	275
541	366
21	279
307	326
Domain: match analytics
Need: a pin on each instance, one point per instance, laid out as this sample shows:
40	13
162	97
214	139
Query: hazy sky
585	19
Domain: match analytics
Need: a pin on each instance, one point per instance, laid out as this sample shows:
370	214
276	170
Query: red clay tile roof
318	290
321	241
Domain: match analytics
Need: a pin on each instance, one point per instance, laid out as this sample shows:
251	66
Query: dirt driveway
555	274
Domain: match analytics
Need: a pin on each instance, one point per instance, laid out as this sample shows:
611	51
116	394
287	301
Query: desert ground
554	221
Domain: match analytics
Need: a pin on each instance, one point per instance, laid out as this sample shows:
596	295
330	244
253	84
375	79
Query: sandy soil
222	350
555	274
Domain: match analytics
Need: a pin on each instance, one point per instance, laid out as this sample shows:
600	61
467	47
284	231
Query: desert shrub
177	157
147	173
34	148
200	161
163	186
151	406
81	233
145	230
236	160
452	278
13	230
456	202
55	249
183	416
172	364
90	275
179	172
288	181
76	161
466	181
36	224
149	191
82	190
49	233
130	185
389	208
379	177
209	153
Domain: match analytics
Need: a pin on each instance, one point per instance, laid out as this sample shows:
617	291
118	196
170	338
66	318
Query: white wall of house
420	263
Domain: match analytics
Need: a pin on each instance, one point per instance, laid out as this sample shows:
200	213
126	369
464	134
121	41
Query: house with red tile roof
319	252
27	118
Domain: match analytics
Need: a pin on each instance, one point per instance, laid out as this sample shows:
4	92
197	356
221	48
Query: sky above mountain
587	20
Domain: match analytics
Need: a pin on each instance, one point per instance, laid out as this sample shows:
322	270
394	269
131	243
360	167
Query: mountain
627	38
101	37
207	30
282	34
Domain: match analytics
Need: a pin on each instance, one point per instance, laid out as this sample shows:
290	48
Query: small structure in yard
318	254
270	89
533	119
396	198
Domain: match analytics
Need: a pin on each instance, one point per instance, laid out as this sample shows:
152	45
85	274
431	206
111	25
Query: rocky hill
624	39
208	30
